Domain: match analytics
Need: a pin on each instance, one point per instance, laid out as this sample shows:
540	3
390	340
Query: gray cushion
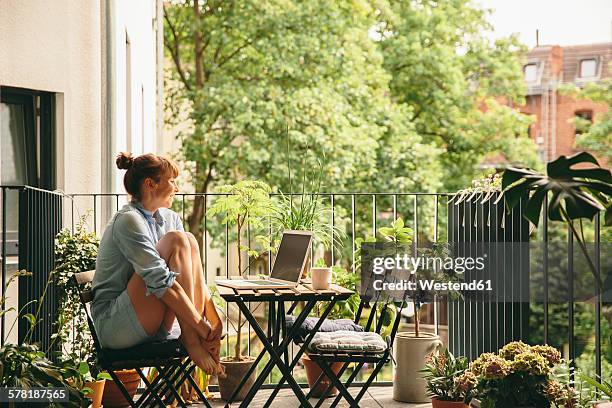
344	340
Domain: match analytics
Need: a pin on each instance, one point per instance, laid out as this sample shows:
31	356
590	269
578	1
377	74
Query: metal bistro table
274	344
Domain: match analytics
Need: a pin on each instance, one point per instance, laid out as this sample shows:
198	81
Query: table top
303	291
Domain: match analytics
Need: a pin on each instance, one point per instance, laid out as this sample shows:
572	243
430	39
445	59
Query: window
531	72
588	68
582	121
27	143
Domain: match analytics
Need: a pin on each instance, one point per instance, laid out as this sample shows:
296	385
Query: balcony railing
471	326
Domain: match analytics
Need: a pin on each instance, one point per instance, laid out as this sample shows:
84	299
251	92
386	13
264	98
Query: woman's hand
214	348
215	333
204	329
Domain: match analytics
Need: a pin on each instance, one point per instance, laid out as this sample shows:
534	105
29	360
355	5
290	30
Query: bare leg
175	248
202	298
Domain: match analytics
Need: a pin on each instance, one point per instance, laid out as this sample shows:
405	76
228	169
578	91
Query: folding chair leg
160	384
197	387
347	384
330	386
149	390
170	382
337	383
122	388
363	390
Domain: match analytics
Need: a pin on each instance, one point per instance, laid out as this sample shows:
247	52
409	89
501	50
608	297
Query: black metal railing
473	326
31	218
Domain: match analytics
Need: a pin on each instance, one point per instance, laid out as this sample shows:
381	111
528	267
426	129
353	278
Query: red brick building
546	68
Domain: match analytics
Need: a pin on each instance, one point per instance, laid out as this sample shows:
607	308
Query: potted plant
411	348
519	375
244	203
306	210
24	365
76	252
447	385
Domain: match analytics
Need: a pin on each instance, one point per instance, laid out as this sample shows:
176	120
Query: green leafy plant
605	387
24	365
446	379
343	309
576	193
306	211
520	375
74	252
247	202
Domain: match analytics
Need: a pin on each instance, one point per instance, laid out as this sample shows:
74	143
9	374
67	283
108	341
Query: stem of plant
239	327
584	249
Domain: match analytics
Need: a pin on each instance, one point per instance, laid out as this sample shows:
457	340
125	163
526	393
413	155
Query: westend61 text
428	284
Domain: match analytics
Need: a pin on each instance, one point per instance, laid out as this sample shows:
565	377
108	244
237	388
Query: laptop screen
290	256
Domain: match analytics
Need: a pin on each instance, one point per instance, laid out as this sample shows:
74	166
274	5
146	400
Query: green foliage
597	136
443	372
397	232
445	70
244	203
520	375
575	194
343	309
74	252
604	386
24	366
585	191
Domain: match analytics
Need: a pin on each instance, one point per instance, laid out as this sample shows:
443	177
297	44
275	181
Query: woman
148	270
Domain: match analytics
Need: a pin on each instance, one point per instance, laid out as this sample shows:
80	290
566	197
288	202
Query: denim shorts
118	326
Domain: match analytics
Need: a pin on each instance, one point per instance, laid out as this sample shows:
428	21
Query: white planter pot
410	354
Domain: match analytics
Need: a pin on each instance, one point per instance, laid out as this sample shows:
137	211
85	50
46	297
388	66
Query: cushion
327	326
347	341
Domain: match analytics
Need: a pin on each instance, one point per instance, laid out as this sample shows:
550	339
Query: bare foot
198	354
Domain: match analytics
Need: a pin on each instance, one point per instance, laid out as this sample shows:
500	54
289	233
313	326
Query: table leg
303	347
274	357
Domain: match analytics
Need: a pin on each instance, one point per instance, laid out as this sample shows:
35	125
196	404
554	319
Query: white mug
321	278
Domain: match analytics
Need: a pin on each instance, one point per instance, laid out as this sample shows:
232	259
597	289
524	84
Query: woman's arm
177	300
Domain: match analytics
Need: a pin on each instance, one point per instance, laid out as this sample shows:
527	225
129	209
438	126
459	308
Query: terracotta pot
410	354
603	404
112	397
436	403
313	371
96	395
236	370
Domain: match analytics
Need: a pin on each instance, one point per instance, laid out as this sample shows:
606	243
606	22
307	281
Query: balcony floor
380	397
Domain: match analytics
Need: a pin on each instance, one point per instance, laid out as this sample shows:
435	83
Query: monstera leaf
584	191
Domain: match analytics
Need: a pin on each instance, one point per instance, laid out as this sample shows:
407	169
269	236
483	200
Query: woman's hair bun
124	160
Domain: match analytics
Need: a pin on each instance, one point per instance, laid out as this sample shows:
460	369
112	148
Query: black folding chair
169	357
327	358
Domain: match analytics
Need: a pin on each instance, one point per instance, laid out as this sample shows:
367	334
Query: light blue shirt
128	246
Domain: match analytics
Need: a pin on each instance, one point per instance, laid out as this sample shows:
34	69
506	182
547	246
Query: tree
246	70
454	81
376	90
597	136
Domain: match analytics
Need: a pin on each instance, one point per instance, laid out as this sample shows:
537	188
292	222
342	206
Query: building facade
79	81
548	67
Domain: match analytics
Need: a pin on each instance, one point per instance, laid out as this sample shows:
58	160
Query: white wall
60	46
55	46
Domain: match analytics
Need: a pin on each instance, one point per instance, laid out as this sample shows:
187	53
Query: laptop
288	265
